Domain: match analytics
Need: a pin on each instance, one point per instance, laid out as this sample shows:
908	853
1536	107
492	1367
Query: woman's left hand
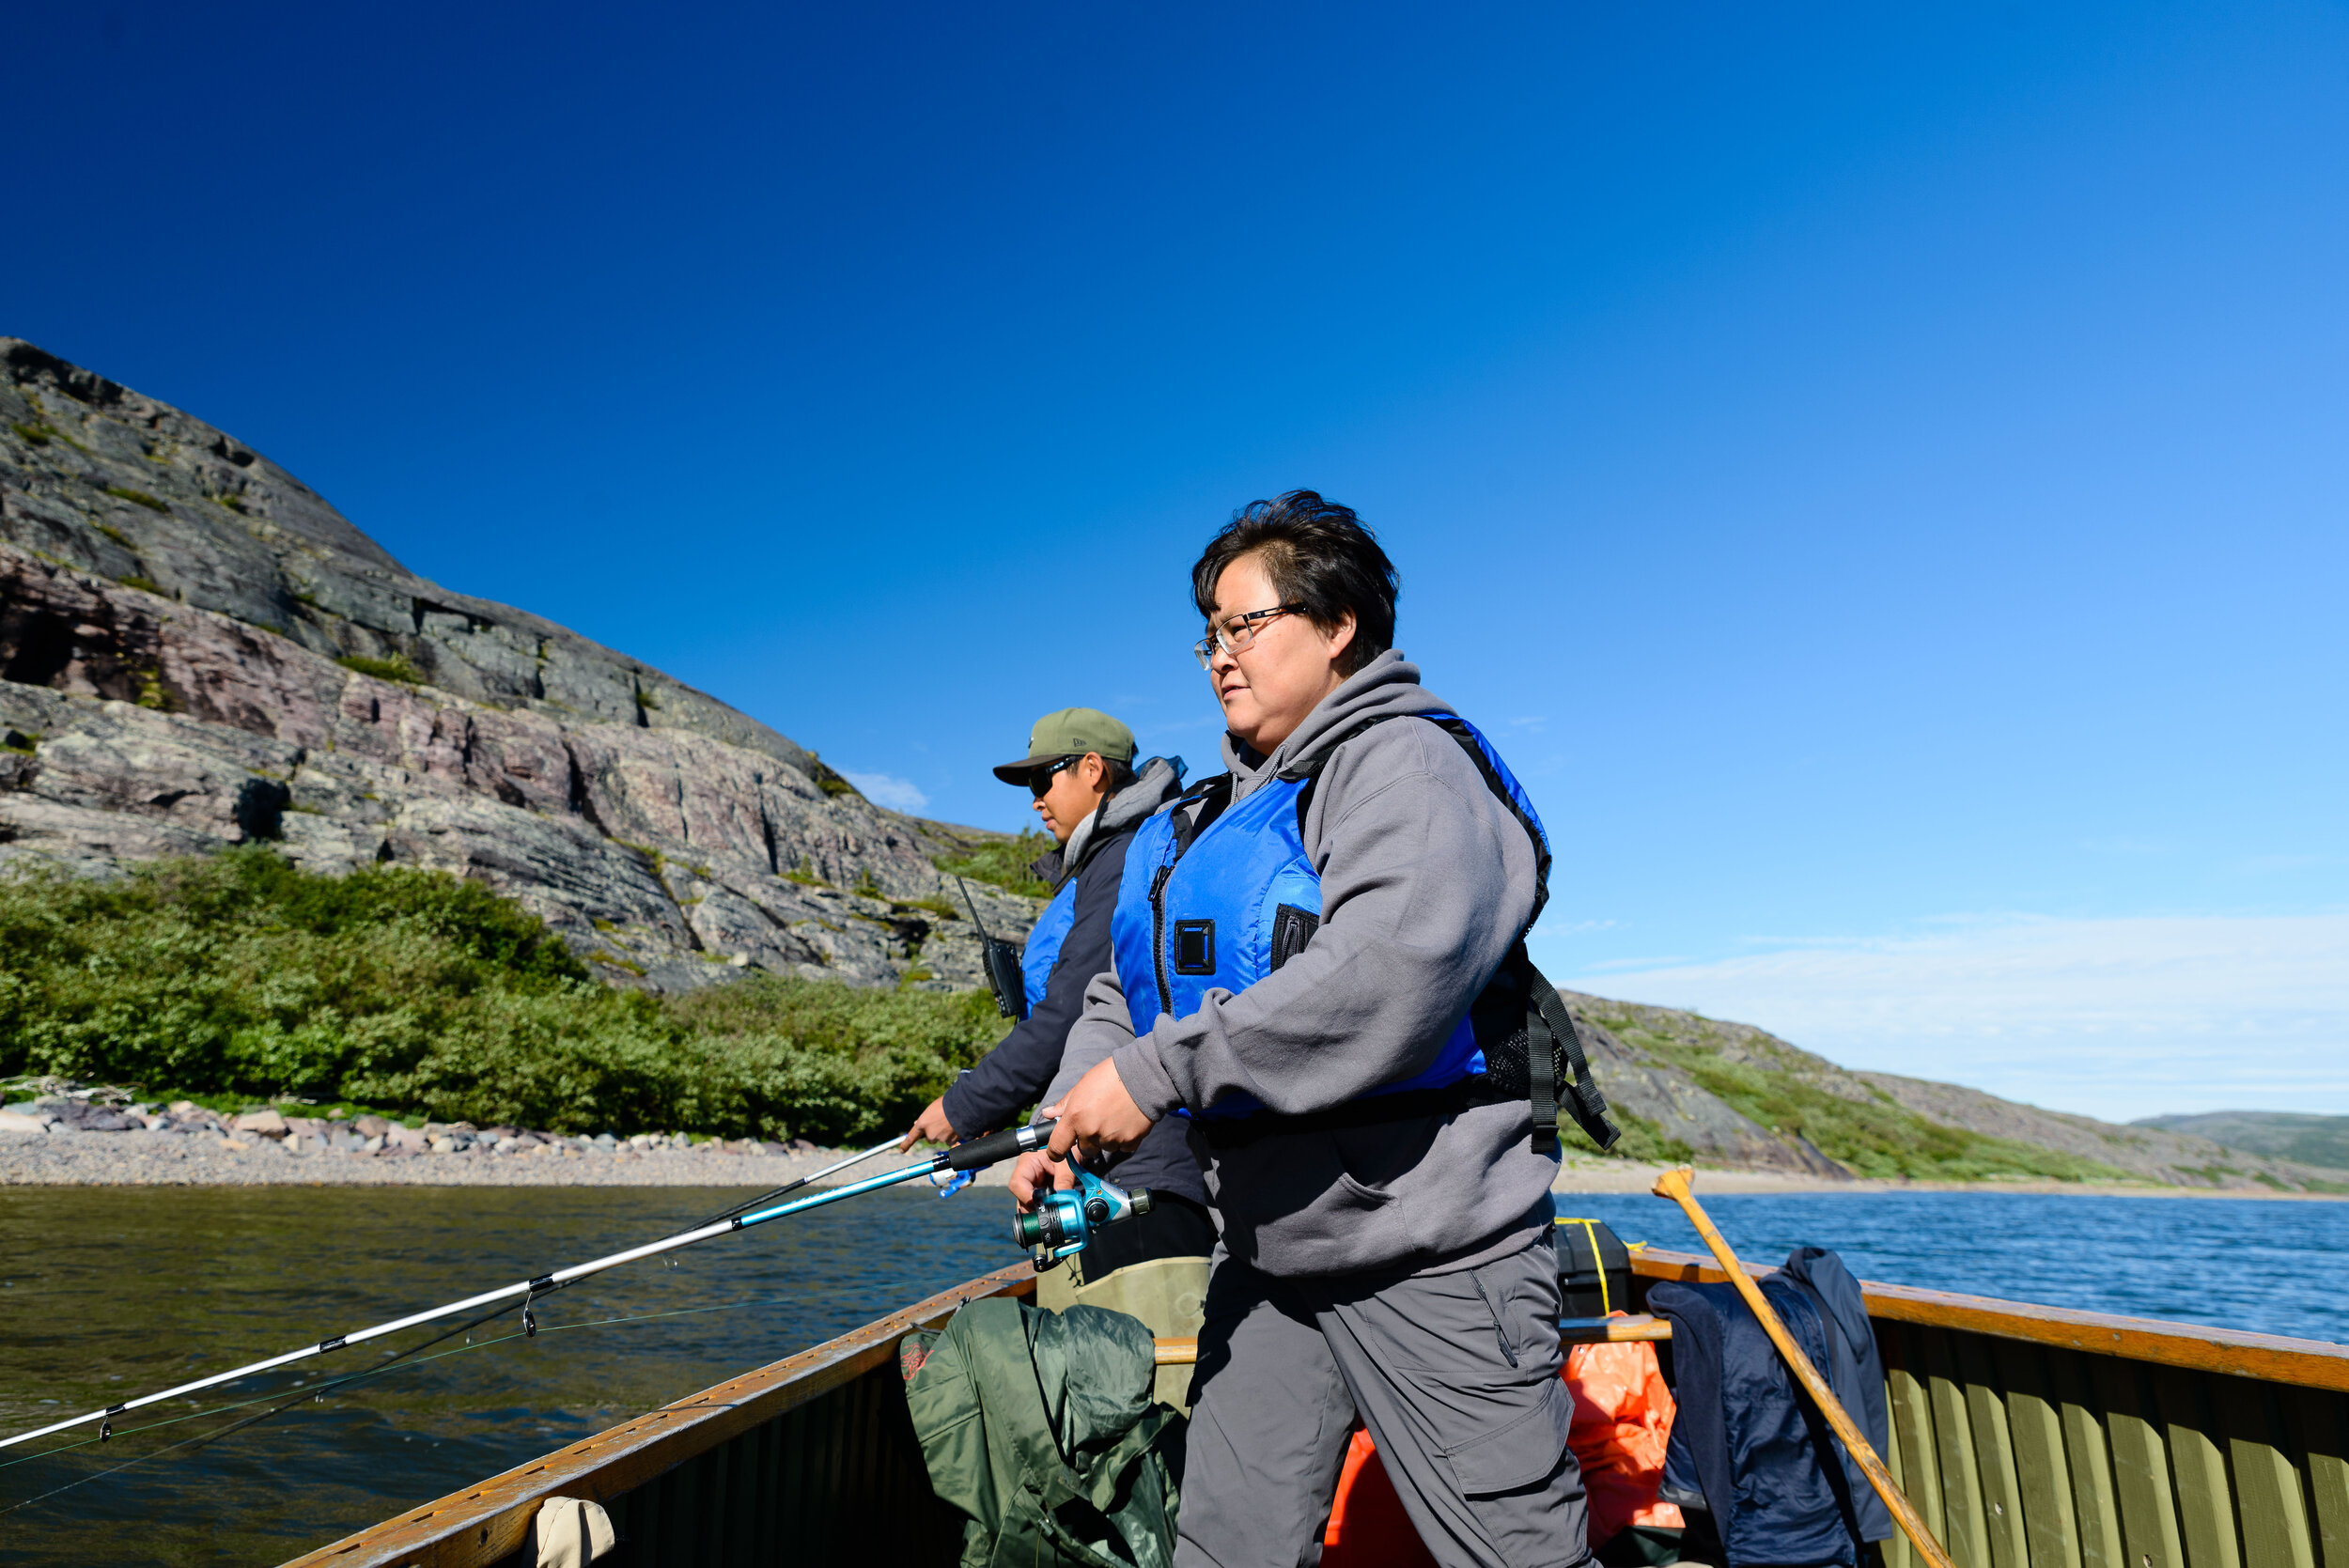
1034	1176
1098	1116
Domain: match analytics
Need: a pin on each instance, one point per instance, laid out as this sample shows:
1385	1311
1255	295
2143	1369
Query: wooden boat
2029	1437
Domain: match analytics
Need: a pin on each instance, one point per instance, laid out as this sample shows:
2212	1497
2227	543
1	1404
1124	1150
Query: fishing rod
973	1156
795	1184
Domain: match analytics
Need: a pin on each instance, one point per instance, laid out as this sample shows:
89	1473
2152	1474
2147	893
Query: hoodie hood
1158	781
1386	687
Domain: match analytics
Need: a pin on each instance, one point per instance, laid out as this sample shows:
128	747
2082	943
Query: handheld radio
1000	960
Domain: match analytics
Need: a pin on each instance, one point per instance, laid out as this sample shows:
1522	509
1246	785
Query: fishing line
202	1438
406	1360
389	1363
964	1157
403	1360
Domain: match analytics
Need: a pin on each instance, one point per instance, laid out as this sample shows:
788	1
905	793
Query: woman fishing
1317	959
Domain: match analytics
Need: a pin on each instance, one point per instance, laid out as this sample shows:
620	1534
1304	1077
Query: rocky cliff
197	651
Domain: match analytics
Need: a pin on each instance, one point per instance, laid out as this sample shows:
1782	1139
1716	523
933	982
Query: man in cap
1080	766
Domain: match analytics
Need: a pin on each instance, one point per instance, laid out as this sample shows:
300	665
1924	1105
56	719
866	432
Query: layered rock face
197	651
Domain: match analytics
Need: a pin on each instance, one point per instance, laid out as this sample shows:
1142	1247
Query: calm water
114	1291
2271	1268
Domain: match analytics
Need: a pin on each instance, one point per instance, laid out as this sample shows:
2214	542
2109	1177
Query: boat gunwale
2237	1352
491	1521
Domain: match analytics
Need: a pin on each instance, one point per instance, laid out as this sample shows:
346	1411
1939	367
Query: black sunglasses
1041	780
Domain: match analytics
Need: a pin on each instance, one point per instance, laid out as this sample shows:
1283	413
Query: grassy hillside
2278	1134
1729	1094
1800	1102
412	990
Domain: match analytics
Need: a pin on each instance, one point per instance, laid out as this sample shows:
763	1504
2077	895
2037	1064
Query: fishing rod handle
982	1152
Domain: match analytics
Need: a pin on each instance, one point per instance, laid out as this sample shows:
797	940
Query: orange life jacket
1623	1417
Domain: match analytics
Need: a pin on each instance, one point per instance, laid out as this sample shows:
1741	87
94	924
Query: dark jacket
1016	1074
1853	1369
1745	1438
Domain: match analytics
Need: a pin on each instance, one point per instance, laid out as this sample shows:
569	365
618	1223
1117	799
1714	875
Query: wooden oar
1674	1184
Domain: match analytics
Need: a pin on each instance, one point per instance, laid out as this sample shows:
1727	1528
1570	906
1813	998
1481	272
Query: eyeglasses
1235	635
1040	781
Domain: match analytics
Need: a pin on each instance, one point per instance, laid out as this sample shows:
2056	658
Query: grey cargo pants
1456	1376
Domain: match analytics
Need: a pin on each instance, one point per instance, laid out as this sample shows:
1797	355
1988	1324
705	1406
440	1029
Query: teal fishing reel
1063	1223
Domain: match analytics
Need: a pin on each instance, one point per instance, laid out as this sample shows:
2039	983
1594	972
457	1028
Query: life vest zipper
1157	934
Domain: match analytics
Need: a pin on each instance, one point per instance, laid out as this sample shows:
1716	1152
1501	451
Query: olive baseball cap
1070	733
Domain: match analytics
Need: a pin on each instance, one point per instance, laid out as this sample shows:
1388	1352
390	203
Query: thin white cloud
884	789
2115	1018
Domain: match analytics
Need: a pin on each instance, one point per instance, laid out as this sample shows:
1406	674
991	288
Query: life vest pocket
1292	928
1194	947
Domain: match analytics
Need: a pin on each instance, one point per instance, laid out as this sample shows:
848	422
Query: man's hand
1035	1174
932	1124
1098	1116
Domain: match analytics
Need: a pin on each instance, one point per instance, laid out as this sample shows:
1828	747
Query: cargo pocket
1518	1454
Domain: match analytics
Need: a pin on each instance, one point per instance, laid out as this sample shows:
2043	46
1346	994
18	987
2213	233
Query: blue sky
1880	470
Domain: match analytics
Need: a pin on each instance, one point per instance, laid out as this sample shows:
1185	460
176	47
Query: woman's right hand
1035	1174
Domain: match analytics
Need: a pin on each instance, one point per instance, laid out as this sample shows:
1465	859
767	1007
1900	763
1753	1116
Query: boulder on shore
264	1124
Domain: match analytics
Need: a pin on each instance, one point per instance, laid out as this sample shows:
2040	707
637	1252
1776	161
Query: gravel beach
63	1157
209	1152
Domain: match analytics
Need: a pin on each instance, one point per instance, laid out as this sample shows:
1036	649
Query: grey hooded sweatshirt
1426	880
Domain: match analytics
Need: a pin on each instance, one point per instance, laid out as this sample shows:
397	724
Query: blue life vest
1241	898
1045	940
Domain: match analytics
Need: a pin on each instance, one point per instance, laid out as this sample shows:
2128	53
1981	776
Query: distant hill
2322	1140
1691	1087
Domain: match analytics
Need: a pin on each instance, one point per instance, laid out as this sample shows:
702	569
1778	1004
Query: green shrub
828	1061
831	783
396	669
418	992
116	534
144	585
934	906
136	497
1004	863
41	435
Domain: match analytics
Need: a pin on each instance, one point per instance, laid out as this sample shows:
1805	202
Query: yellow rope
1606	1301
